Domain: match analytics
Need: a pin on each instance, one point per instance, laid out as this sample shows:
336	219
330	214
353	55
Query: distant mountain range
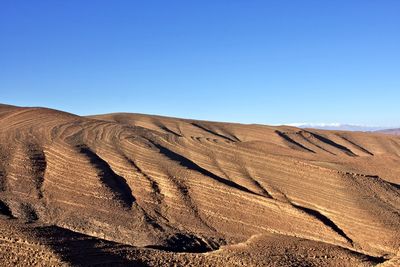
340	127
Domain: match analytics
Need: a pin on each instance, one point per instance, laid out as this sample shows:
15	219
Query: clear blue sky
253	61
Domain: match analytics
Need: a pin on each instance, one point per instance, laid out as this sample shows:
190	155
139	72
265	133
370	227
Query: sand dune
150	190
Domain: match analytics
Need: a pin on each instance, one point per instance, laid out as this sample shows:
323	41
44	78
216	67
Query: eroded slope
145	187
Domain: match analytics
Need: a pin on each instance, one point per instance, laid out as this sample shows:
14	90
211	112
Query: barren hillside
391	131
154	191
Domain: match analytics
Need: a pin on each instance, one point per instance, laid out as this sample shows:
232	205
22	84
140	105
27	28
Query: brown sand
140	190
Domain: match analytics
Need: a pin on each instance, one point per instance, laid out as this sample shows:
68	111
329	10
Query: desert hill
391	131
149	190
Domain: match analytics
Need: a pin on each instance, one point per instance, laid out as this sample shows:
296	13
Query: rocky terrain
142	190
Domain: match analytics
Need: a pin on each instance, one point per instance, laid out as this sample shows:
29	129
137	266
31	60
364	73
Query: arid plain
143	190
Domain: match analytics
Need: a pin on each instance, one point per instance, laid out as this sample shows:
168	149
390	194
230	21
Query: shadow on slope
185	162
215	133
116	183
83	250
187	243
333	144
5	210
325	220
293	142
